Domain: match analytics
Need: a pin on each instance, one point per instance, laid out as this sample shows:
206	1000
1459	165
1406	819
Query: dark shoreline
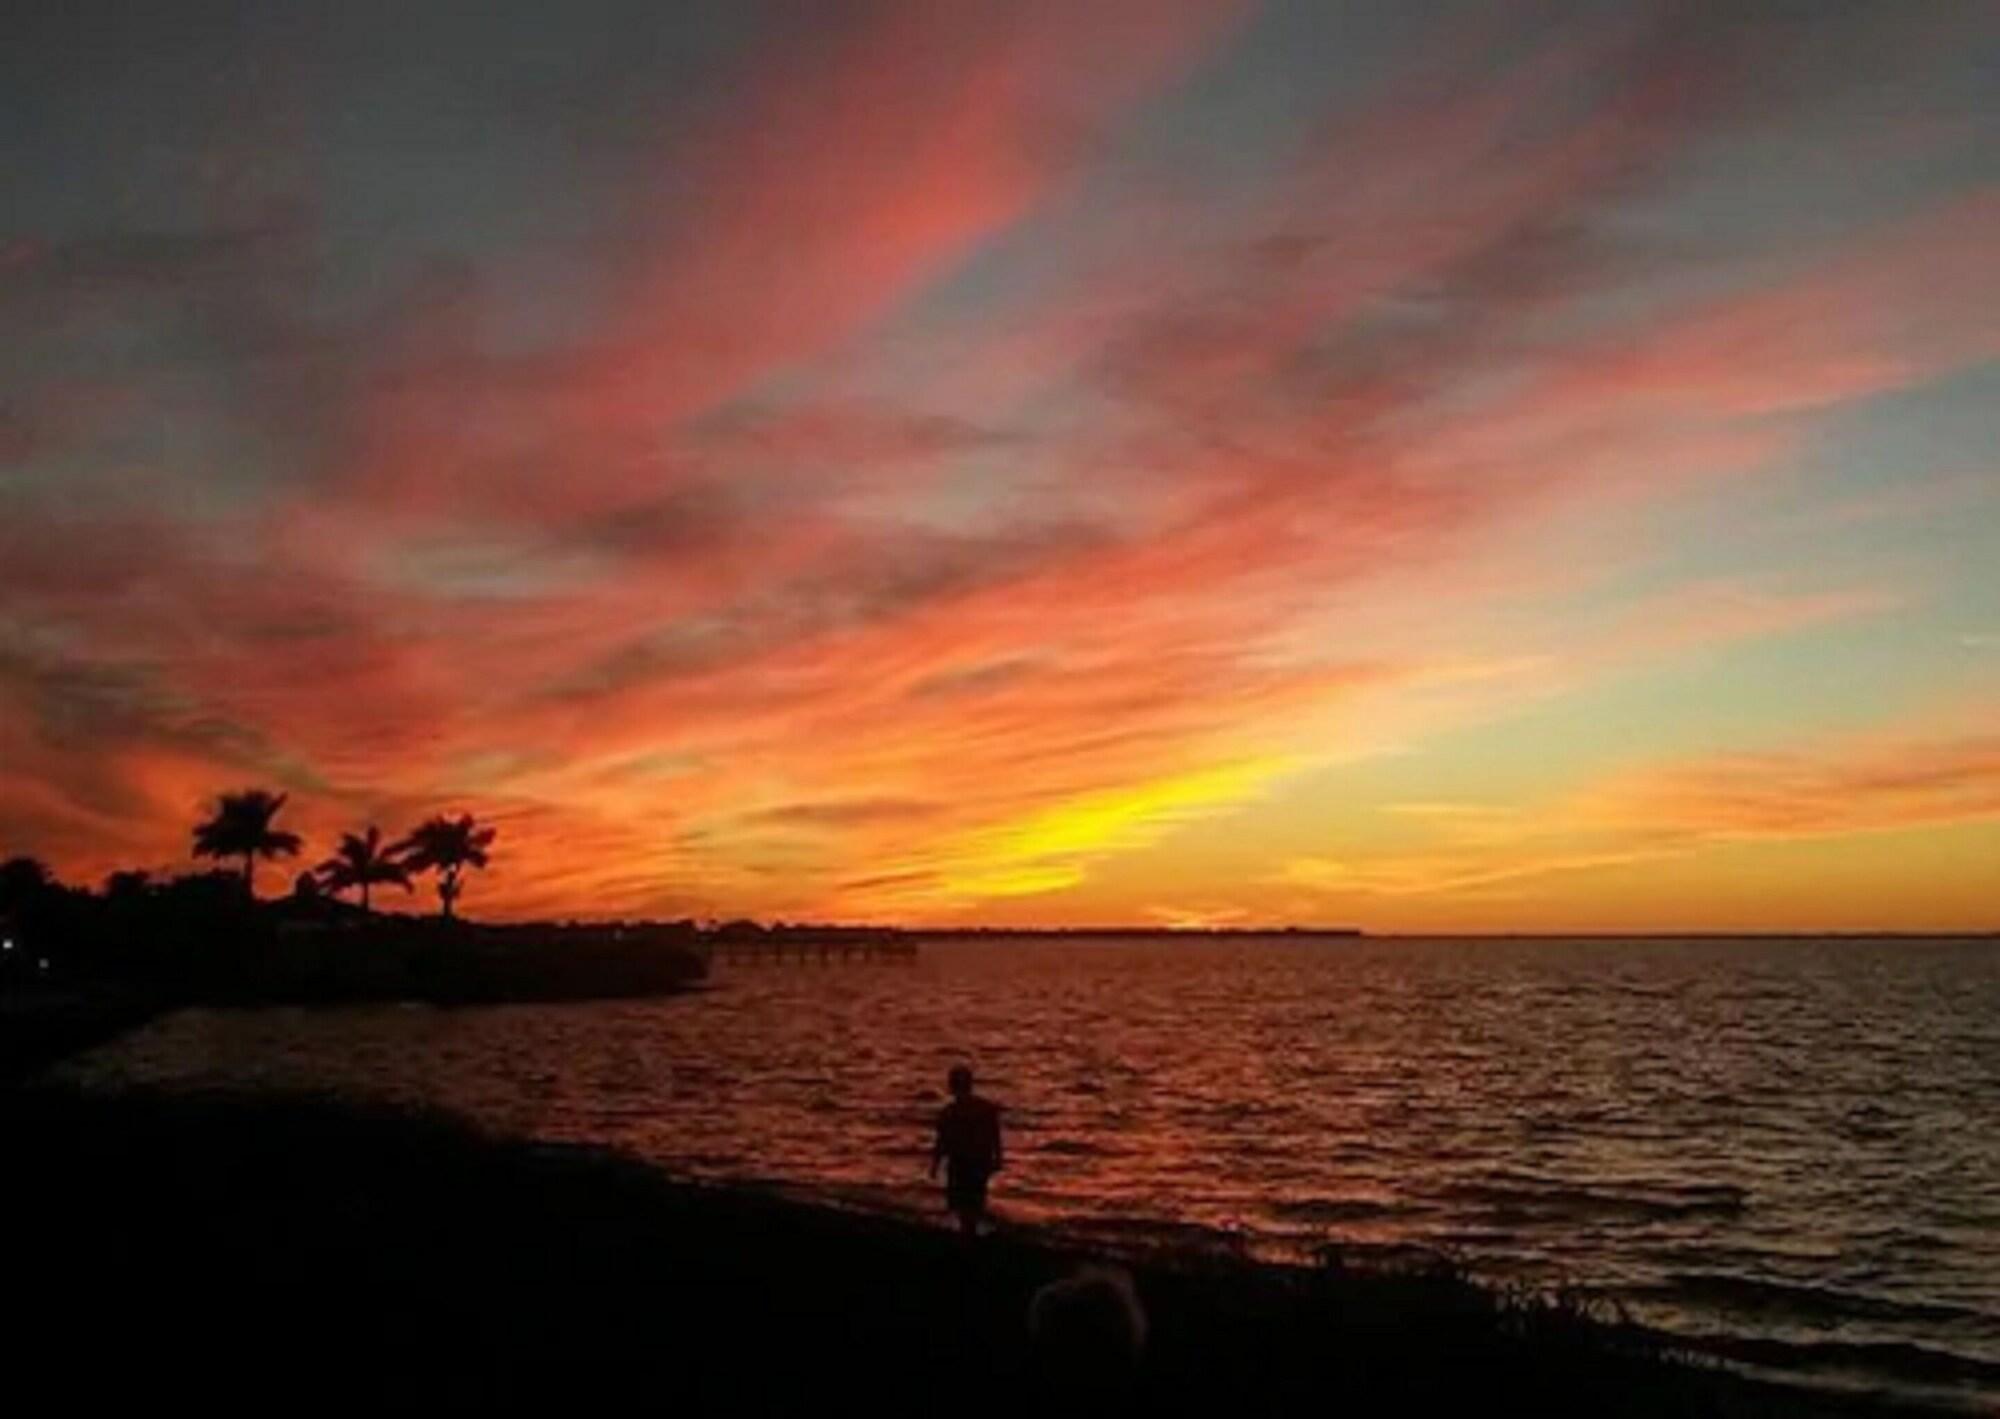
260	1248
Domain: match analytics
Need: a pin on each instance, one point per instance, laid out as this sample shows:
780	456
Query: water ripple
1788	1152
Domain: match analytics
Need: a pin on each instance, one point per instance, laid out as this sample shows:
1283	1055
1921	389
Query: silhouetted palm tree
446	846
242	828
362	861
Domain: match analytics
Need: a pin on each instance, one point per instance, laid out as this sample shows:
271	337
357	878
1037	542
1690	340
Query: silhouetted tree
446	846
39	911
201	896
127	885
362	861
23	880
241	827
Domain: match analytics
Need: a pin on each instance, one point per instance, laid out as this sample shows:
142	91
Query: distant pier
822	950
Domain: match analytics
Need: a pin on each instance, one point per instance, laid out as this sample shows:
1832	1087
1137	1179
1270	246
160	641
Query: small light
7	945
43	963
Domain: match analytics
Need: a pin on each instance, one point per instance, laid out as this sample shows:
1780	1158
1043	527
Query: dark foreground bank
301	1254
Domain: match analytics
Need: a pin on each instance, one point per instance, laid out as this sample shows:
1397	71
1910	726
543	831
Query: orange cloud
1884	782
1863	786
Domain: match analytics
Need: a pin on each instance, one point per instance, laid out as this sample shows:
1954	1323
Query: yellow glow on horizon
1044	852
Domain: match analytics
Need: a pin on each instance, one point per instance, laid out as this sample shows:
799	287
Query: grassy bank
278	1251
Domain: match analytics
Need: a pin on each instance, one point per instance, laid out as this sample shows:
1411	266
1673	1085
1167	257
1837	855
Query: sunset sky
1430	467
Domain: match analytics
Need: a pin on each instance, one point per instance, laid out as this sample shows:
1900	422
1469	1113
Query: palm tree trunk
364	894
250	875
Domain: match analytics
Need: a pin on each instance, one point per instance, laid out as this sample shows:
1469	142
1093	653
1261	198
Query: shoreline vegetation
201	940
253	1247
76	962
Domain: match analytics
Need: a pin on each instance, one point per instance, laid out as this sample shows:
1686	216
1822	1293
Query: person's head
959	1081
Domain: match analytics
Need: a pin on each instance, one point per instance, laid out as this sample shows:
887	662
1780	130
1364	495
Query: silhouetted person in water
968	1144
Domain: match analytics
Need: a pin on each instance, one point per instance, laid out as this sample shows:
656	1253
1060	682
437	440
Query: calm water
1793	1141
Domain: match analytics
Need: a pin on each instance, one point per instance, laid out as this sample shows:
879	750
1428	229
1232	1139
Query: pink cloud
685	534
